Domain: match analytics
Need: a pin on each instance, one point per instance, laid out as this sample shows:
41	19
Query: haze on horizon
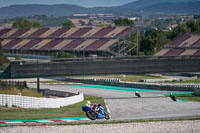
84	3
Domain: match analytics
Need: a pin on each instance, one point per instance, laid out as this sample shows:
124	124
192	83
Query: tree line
25	23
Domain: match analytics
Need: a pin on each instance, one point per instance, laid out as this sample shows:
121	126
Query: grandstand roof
67	39
182	45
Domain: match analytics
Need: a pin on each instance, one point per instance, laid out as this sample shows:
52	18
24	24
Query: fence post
38	84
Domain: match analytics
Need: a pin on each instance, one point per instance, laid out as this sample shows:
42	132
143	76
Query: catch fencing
12	84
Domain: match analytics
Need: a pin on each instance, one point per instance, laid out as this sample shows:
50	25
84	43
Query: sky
85	3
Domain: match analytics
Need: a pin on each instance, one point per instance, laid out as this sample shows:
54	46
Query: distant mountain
38	9
145	3
144	7
172	8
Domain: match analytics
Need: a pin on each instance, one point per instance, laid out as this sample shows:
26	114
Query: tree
63	54
1	49
3	59
36	25
152	40
17	57
193	26
23	23
123	22
68	24
179	29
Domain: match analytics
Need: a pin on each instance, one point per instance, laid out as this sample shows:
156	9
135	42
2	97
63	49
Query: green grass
24	92
36	114
188	81
130	78
52	81
188	97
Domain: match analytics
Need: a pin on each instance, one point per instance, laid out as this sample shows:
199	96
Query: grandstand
182	45
87	40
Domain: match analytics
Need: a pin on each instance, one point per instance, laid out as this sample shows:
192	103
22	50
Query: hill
38	9
144	7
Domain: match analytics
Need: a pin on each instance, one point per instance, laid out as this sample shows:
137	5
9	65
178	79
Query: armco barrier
36	103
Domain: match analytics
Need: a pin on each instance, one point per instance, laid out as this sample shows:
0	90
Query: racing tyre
107	117
91	115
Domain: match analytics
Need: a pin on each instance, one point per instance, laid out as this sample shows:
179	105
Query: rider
137	94
96	107
100	109
88	103
92	105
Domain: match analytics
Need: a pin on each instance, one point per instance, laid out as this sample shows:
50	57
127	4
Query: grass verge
131	78
187	97
196	81
36	114
52	81
24	92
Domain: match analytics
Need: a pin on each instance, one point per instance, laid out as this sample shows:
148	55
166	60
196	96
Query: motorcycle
95	112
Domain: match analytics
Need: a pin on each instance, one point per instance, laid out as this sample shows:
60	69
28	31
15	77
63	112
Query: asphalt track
123	104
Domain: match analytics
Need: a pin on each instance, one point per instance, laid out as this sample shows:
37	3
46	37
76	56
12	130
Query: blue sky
85	3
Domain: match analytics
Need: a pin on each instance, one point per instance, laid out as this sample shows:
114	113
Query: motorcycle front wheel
107	117
91	115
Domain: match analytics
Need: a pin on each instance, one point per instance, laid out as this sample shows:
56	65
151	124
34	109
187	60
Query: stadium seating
10	44
73	44
125	32
196	44
67	39
4	31
51	44
38	33
197	53
80	32
178	40
103	32
97	44
58	32
30	44
174	52
18	33
183	45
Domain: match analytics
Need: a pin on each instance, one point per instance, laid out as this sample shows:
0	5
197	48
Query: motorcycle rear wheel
91	115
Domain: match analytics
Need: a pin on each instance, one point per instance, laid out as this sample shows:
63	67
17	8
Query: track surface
125	105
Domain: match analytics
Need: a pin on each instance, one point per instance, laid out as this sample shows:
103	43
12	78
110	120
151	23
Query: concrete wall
133	66
37	103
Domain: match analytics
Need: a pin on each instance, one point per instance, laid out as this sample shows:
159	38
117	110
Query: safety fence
8	84
37	103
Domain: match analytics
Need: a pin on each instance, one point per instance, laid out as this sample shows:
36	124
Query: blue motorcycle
95	112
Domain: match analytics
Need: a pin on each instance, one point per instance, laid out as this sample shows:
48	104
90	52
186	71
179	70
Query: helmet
136	92
88	102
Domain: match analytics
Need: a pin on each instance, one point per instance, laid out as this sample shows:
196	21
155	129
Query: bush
63	54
